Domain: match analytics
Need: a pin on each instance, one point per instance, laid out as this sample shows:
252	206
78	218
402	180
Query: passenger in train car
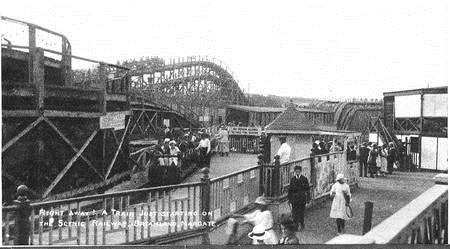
334	146
323	147
173	151
315	150
165	150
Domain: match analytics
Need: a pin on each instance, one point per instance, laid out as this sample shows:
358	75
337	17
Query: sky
317	48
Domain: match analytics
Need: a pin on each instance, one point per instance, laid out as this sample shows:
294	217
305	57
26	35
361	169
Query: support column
205	208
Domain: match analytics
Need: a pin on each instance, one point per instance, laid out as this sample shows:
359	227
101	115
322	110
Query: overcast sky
314	48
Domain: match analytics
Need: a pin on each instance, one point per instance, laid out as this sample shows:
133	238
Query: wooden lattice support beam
120	148
69	165
117	151
65	139
21	134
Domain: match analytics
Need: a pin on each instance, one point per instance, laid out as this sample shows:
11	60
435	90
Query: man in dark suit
363	156
298	195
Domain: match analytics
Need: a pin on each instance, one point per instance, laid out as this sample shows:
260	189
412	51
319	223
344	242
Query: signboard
407	106
166	122
247	131
204	118
113	120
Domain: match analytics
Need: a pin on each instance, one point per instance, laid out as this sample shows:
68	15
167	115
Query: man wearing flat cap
298	195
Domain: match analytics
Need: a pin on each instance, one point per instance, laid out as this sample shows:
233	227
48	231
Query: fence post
262	189
205	191
103	87
367	225
276	178
22	220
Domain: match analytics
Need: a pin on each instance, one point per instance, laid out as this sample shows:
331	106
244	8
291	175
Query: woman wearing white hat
340	191
259	235
261	217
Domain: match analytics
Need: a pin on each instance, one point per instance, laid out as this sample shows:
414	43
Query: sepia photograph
224	123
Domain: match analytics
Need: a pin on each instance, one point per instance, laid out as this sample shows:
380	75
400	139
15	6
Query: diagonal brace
63	137
69	165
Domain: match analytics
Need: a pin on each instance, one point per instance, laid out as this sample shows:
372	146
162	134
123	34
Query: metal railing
244	131
231	192
244	144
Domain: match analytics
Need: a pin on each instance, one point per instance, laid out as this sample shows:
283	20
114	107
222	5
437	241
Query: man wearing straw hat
340	191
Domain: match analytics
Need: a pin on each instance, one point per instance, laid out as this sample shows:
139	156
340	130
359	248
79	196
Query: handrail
34	25
394	226
234	173
107	195
310	157
70	55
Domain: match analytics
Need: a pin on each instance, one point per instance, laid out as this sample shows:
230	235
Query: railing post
22	219
368	209
32	48
103	87
38	76
276	191
262	189
312	162
205	208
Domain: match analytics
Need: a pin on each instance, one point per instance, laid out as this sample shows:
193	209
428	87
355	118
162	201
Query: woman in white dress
261	217
339	205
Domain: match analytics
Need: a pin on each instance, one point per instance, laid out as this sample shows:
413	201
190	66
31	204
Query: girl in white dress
339	205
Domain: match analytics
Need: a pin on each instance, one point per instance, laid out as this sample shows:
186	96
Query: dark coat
363	154
391	155
298	190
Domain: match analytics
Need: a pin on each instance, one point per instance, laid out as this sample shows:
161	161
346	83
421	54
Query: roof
292	121
256	108
272	109
430	90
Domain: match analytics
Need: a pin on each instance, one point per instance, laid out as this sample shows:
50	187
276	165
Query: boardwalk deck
388	194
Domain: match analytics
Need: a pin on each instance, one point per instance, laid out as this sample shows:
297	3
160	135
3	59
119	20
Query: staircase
386	135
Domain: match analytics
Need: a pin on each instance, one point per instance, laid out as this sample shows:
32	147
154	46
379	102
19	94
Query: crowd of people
321	147
299	192
368	155
188	144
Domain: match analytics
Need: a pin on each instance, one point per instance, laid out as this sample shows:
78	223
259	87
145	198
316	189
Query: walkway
225	165
388	194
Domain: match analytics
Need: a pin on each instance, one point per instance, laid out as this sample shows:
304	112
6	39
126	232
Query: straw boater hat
172	142
258	233
166	140
339	177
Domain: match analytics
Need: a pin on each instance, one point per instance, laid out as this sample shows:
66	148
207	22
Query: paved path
388	194
225	165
